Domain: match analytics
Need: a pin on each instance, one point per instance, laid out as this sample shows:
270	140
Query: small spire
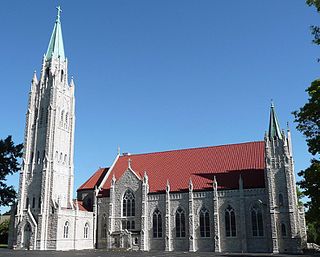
274	128
34	79
190	185
168	186
71	82
58	14
129	163
119	150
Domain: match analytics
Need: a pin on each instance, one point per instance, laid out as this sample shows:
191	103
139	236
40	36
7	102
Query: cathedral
229	198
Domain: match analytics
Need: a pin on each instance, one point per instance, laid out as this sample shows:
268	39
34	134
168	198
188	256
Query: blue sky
161	75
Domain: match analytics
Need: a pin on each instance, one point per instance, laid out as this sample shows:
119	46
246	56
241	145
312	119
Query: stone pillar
191	219
168	237
144	216
243	227
111	212
216	223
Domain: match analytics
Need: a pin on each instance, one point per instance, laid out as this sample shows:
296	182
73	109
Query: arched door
27	236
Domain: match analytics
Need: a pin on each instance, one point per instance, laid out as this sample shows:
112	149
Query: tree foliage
308	119
9	156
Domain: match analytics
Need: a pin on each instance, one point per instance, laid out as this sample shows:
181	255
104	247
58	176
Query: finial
272	104
118	150
59	11
288	127
129	163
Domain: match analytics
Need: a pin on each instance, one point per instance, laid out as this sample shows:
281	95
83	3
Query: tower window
60	159
38	157
256	221
230	221
157	224
204	223
33	202
61	118
31	157
27	202
128	204
280	200
66	230
283	230
62	73
65	159
43	155
86	230
39	203
67	121
180	223
57	155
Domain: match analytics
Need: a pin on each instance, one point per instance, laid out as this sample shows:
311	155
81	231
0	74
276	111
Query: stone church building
229	198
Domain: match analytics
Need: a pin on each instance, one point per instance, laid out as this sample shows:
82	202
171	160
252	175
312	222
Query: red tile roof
80	205
94	180
225	162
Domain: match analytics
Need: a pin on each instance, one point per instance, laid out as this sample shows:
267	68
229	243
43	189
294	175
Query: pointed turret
274	128
55	48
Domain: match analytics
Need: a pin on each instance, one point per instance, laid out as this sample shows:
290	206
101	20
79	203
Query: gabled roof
225	162
94	180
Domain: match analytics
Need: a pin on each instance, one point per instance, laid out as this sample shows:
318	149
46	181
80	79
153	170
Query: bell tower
46	180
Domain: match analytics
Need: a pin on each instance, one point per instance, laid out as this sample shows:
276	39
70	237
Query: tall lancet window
61	79
257	221
128	204
230	222
66	124
86	230
180	223
204	223
66	230
61	118
157	224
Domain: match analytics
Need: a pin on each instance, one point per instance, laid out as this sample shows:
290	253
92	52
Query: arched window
180	223
47	116
41	115
280	200
39	203
61	78
38	157
60	159
33	202
256	221
283	230
230	221
43	155
31	157
86	230
66	230
61	118
204	223
57	156
65	159
66	121
128	204
157	224
27	203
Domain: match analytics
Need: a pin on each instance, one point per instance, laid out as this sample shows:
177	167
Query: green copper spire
274	128
55	48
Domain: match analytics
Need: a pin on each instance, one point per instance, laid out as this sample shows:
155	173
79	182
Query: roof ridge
193	148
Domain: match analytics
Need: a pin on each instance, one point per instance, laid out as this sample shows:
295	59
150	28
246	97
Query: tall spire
55	48
274	128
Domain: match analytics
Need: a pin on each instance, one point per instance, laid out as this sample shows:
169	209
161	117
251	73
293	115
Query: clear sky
161	75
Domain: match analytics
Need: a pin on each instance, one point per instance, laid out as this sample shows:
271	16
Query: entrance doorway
27	232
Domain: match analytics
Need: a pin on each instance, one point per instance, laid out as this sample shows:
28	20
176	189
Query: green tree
4	230
9	156
308	119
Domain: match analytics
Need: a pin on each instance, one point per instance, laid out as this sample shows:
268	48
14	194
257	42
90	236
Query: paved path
102	253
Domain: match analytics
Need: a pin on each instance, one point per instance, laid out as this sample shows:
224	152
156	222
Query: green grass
3	246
